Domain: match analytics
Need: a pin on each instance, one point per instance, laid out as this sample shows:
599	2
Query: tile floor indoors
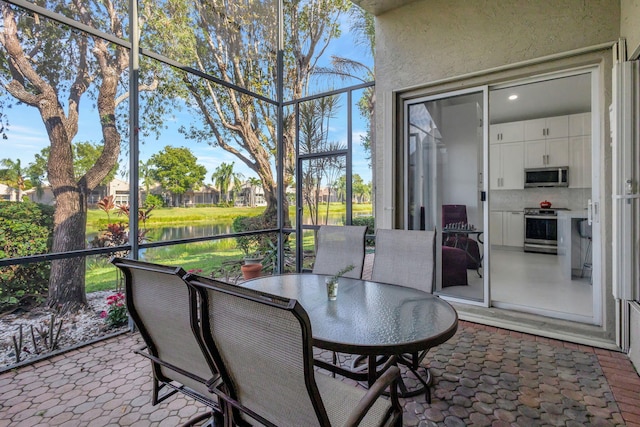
483	376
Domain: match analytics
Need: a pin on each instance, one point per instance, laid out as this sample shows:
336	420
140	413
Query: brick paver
483	376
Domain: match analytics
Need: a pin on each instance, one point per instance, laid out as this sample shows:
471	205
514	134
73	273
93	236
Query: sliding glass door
444	152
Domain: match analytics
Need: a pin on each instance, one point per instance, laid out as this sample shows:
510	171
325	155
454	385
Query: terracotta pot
251	271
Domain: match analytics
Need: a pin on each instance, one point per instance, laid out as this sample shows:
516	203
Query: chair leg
215	420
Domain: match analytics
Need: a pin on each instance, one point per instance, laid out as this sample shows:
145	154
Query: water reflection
187	231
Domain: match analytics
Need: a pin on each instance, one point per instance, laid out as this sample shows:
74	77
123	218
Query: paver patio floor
482	376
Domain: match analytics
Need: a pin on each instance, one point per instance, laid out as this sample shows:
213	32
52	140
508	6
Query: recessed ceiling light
513	97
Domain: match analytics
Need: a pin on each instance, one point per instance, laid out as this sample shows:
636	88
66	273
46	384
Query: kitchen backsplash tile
574	199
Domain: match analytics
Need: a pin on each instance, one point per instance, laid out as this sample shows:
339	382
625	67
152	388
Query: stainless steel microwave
546	177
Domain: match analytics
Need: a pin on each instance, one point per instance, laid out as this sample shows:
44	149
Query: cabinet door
580	162
535	129
512	166
535	153
512	132
495	133
557	152
495	166
495	227
557	127
513	228
580	124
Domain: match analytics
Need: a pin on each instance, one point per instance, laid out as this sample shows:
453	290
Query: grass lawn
205	256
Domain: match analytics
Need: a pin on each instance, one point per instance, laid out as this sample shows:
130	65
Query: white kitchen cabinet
545	128
507	228
580	162
495	228
580	124
513	228
506	132
546	153
506	166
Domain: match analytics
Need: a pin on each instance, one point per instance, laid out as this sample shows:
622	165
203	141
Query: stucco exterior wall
434	39
634	350
429	41
630	26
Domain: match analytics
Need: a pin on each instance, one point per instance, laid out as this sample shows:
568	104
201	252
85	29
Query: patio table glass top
367	318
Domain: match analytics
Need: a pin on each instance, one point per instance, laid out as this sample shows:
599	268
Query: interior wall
629	28
460	168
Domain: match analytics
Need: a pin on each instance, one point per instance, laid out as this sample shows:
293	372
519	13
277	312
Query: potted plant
332	282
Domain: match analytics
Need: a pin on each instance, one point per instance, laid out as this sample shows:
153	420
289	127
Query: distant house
8	193
44	196
117	188
250	195
205	195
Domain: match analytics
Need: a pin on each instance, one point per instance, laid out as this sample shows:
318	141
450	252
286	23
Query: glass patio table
367	318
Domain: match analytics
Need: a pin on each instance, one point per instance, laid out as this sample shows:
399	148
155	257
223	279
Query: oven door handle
541	217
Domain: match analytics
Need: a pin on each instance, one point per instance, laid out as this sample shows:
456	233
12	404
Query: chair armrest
390	376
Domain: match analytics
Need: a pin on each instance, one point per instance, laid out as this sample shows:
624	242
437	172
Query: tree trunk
66	282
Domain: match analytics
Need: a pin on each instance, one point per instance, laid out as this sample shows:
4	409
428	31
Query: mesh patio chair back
158	301
338	247
406	258
262	345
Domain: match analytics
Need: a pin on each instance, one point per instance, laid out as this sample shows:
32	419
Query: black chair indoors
453	215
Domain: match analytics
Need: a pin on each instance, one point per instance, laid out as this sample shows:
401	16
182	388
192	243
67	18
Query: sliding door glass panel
541	256
444	152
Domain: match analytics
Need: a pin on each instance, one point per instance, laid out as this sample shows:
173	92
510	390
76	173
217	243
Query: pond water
176	232
187	231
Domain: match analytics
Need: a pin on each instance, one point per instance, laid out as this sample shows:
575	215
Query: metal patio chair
407	258
158	301
339	247
262	346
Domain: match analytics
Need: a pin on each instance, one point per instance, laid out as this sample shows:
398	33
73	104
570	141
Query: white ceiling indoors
567	95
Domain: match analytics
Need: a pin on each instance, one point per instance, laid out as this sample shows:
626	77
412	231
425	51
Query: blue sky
27	135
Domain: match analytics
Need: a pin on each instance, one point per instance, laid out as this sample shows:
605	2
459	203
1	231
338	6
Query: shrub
116	312
153	200
255	243
26	228
365	220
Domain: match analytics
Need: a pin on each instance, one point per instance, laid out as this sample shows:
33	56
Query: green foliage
177	170
116	313
25	229
153	200
365	220
225	178
84	155
253	244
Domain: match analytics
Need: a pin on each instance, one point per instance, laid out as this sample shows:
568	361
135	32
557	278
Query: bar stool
584	230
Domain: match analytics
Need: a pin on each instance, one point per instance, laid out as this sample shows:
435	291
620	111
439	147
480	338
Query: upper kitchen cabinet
546	142
546	153
545	128
506	132
580	150
506	169
580	124
580	162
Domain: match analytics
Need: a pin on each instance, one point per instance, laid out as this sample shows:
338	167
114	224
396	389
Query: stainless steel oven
541	230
